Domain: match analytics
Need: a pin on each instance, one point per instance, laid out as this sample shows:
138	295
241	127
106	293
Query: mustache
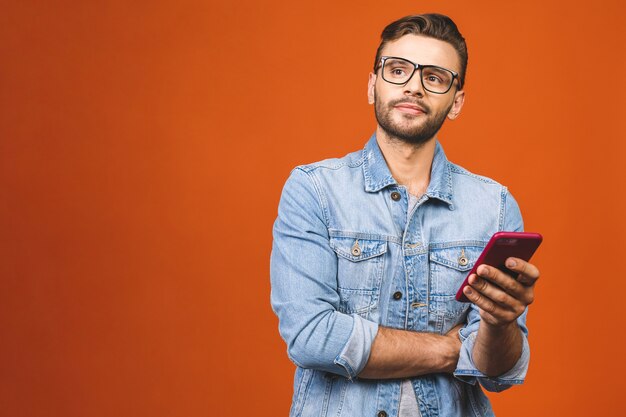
417	103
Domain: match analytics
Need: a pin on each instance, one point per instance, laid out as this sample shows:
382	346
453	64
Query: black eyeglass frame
383	59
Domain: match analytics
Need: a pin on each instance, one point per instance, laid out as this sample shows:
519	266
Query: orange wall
143	148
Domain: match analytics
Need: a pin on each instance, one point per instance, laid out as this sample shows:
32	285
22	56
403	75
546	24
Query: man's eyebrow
435	67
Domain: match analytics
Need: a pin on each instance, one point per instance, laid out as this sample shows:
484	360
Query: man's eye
397	71
433	79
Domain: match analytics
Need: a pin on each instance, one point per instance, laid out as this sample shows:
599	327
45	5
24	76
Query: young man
370	249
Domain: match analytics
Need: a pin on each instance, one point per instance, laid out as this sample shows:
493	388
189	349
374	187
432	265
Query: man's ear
371	83
457	105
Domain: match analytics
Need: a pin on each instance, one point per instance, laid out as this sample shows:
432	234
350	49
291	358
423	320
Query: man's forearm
401	354
497	349
502	299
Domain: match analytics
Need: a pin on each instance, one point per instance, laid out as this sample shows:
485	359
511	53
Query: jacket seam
503	194
462	171
320	196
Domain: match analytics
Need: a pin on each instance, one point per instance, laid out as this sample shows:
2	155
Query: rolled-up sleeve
467	371
511	220
303	271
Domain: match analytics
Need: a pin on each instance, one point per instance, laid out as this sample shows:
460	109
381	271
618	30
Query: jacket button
395	196
397	295
381	414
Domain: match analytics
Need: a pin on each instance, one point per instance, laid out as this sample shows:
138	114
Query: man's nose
414	85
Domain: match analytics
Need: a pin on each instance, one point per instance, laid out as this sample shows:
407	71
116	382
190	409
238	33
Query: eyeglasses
434	79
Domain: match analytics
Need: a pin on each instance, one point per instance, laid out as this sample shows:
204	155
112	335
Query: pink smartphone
500	247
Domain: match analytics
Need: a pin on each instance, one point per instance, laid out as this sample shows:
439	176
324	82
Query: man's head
418	77
431	25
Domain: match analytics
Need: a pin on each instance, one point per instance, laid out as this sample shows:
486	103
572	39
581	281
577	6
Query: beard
417	134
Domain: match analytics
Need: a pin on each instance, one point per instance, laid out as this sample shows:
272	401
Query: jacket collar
377	174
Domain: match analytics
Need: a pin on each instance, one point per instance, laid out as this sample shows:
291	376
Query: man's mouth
410	108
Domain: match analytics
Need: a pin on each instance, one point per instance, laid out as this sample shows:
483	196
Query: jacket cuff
466	370
356	351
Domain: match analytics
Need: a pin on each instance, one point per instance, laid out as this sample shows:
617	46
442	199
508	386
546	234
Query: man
370	249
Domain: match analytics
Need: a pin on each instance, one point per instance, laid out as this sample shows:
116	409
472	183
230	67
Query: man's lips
410	108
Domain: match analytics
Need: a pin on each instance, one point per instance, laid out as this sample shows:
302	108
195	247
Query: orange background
143	148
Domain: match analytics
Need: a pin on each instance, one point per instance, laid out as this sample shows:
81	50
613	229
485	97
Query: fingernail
511	263
468	290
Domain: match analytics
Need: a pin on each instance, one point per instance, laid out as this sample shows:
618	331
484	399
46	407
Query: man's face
408	112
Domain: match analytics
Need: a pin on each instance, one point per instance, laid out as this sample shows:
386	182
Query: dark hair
432	25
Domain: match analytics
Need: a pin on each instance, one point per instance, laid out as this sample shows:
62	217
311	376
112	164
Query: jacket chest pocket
359	273
449	266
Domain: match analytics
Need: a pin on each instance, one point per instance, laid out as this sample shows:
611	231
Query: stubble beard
416	135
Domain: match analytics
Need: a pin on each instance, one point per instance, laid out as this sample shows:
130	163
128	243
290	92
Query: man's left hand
501	297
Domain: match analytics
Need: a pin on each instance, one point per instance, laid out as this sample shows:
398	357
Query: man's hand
500	297
454	346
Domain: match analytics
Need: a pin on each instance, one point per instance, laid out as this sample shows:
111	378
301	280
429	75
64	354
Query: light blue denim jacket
347	257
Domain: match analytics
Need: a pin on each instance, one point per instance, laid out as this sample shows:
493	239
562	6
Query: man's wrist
494	331
497	348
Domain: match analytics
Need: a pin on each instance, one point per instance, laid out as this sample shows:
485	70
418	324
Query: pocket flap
356	250
461	258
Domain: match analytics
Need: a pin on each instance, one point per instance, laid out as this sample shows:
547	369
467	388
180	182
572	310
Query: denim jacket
347	257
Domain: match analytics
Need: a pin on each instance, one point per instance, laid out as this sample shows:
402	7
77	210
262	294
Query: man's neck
409	164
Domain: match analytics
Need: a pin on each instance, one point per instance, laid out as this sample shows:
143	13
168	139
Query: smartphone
500	247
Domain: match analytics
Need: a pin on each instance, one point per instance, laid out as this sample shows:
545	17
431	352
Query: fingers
454	334
492	312
519	290
501	279
456	329
528	273
493	299
495	293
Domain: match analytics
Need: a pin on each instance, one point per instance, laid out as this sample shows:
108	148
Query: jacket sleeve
510	221
303	271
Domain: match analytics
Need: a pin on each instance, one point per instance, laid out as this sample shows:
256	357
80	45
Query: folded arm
402	354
